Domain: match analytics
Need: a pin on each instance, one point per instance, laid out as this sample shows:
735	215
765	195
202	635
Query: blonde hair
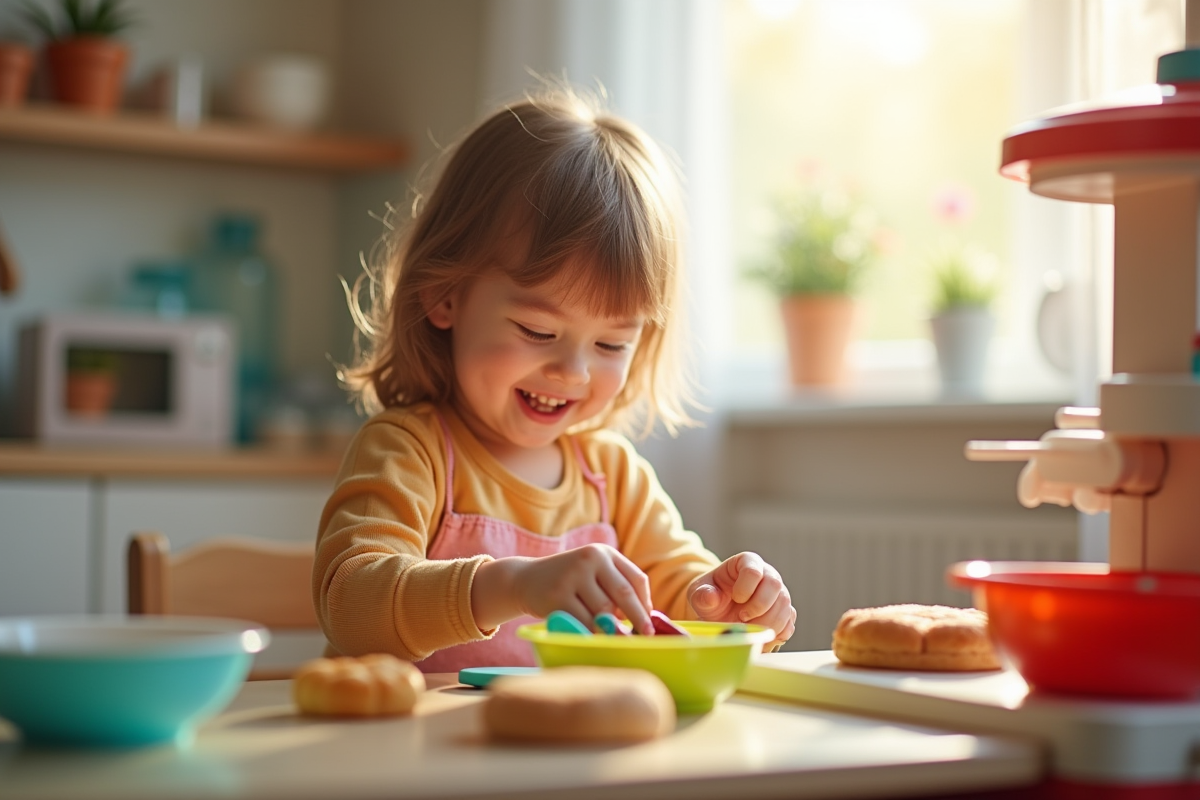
585	189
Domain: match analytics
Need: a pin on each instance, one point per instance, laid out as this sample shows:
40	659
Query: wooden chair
258	580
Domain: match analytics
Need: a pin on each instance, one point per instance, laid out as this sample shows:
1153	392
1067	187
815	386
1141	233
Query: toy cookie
918	637
580	704
376	685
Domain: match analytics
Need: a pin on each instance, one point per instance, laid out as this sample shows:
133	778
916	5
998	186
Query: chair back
259	580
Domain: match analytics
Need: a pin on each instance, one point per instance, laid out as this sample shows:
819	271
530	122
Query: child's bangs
606	283
609	257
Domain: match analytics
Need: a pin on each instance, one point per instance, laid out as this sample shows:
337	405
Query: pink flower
810	171
954	203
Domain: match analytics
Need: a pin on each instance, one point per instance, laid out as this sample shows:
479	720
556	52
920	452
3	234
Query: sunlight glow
891	30
252	642
978	569
775	10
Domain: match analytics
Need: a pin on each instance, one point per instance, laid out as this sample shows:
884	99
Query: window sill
753	390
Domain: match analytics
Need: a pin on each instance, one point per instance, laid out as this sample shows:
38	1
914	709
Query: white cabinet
188	512
63	539
46	546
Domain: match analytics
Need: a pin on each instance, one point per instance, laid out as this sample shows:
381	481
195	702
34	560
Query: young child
530	309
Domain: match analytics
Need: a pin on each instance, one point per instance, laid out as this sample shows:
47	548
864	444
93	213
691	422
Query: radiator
835	560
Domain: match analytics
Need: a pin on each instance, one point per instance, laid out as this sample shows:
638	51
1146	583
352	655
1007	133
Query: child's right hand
584	582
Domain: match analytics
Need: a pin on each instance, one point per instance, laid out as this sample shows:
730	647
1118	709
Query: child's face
527	363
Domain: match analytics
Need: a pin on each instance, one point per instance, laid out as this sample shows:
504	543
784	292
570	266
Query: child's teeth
542	400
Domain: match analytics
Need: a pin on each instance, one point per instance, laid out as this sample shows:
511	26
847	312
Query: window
902	103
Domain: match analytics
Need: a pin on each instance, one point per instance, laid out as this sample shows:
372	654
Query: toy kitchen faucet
1138	454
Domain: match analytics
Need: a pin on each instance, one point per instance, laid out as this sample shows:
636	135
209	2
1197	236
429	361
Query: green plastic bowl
701	670
120	681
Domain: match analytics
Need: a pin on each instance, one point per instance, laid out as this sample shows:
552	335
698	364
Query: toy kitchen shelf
226	141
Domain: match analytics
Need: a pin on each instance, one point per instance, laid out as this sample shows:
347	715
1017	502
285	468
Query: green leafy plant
90	359
824	244
960	281
78	18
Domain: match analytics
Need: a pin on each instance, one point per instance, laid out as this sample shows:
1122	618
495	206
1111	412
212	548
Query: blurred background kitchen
254	146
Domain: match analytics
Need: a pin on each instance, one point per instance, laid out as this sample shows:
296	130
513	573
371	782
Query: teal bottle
233	277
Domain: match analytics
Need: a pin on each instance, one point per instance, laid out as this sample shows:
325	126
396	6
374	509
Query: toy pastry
918	637
580	704
376	685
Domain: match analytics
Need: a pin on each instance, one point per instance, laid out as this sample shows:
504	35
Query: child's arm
374	590
583	582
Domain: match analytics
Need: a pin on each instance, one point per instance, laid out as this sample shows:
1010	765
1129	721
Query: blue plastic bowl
120	681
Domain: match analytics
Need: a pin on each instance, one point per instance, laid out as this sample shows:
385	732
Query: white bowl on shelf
283	90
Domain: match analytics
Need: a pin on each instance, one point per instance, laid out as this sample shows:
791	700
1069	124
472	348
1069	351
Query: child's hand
585	582
745	589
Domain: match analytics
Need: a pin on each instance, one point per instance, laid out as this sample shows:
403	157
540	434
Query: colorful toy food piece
480	677
377	685
608	623
663	625
562	622
736	627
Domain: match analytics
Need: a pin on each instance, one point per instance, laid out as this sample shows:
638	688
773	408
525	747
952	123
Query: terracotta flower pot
88	72
818	329
16	65
90	394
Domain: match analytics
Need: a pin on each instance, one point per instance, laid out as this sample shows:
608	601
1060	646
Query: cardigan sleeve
373	588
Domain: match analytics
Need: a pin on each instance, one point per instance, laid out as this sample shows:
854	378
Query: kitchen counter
24	458
747	747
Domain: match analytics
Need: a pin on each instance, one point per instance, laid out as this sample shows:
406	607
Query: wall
76	220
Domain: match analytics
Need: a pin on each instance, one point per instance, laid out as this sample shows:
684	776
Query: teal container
120	681
162	288
232	276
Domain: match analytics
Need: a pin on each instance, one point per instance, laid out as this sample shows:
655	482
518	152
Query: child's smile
543	407
530	362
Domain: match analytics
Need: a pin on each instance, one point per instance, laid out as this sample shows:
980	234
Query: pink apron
466	535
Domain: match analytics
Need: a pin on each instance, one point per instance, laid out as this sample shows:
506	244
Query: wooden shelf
27	459
213	140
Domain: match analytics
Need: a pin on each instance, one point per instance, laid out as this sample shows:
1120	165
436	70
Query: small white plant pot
962	337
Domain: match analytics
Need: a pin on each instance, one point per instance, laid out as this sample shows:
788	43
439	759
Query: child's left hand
744	588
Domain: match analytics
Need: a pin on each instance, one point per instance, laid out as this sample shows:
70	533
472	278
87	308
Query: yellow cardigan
374	589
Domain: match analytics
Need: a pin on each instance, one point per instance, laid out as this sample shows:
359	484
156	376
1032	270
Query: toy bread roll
580	704
376	685
918	637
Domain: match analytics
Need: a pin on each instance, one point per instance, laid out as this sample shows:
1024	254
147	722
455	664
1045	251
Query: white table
746	748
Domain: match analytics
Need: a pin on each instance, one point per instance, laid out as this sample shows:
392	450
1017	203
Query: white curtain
659	61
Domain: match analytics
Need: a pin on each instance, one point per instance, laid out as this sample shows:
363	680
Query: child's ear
440	312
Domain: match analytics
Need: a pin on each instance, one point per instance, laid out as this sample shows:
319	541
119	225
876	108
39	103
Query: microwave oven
127	380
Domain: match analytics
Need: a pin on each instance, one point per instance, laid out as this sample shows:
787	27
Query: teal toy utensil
562	622
608	623
480	677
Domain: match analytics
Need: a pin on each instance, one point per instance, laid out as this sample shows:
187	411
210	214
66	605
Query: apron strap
449	464
597	480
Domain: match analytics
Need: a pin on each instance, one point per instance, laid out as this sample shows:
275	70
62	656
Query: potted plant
824	244
86	62
962	320
16	65
91	381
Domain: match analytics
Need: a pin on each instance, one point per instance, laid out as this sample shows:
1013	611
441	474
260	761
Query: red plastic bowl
1080	629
